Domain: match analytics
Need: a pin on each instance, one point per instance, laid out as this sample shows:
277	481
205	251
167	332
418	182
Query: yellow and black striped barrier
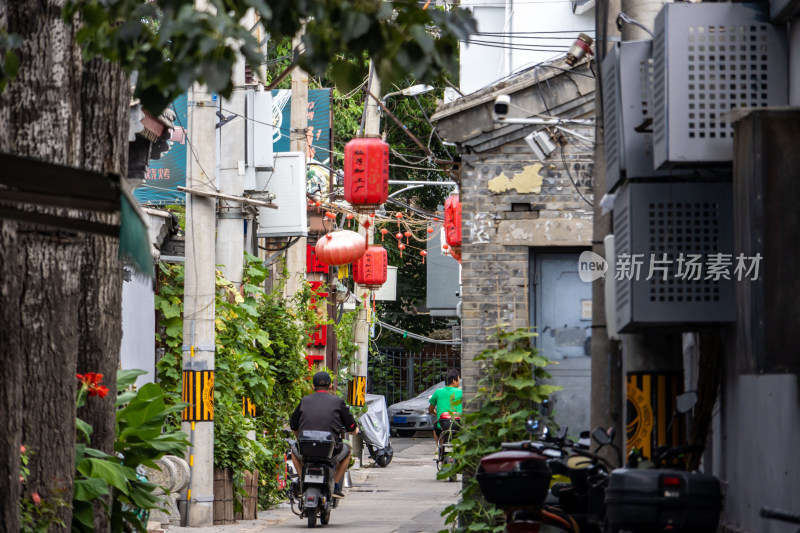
198	390
651	408
357	391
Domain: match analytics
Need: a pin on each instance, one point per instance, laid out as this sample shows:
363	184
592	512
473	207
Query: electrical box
709	59
258	137
681	237
388	291
288	183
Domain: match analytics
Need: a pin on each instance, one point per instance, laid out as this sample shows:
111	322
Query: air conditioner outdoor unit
673	231
288	183
709	59
628	111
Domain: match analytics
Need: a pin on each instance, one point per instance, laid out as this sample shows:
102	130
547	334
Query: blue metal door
562	306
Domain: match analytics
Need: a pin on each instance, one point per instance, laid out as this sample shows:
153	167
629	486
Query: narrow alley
404	497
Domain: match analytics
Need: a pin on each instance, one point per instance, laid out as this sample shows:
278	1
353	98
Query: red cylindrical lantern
341	247
372	269
452	220
366	173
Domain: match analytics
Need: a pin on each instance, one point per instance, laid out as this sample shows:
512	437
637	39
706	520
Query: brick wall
511	202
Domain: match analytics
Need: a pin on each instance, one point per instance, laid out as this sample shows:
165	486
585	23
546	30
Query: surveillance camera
501	106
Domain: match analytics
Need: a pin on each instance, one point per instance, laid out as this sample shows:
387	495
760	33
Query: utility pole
231	135
607	393
198	325
652	351
358	385
296	254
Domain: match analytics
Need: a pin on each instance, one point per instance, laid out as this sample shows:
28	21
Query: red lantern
452	220
341	247
372	269
402	247
384	231
366	173
407	234
399	236
430	230
423	253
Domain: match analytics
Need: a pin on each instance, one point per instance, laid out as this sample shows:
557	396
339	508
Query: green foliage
260	348
140	439
37	514
171	44
9	61
508	393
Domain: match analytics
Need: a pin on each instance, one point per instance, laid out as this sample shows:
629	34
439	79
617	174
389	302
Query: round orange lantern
372	269
366	173
341	247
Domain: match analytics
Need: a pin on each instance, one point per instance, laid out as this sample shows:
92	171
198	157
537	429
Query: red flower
91	381
22	449
100	390
35	497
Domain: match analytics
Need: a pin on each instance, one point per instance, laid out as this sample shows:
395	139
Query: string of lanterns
366	188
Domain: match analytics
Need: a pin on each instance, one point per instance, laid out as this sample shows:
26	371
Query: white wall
138	327
517	48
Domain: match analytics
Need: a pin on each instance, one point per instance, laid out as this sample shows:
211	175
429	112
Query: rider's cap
321	379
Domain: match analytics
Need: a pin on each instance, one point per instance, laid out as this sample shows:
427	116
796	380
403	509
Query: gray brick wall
495	276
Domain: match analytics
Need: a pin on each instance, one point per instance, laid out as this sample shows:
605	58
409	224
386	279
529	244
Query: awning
26	182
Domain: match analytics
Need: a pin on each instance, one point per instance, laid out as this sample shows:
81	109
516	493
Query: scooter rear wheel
312	518
325	517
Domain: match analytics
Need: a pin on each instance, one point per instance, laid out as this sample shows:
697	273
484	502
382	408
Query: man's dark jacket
322	411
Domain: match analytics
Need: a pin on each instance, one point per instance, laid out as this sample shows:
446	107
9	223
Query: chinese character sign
165	175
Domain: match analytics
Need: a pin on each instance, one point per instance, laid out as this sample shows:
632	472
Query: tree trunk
105	143
11	384
60	293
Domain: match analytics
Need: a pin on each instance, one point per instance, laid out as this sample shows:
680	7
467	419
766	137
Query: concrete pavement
404	497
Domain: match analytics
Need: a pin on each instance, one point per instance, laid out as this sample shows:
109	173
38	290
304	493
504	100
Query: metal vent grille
681	229
673	229
712	58
613	118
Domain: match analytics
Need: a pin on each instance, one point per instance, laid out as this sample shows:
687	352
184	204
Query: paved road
404	497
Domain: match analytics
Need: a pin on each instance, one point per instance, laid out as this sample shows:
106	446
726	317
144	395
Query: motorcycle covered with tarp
374	426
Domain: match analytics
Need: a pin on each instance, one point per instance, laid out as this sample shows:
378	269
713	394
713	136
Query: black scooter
313	489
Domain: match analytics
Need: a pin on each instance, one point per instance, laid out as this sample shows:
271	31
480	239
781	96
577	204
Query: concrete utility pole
198	324
230	225
358	386
296	255
607	393
650	352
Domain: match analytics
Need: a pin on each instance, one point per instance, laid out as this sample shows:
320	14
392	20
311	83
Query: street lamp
414	90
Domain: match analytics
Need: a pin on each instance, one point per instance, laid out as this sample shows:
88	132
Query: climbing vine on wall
260	370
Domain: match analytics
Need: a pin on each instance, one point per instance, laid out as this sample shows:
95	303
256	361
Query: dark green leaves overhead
171	44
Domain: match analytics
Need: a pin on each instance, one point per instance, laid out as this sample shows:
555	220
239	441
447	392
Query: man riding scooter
445	405
324	411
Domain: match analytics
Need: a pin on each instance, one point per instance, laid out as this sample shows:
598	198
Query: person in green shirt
446	401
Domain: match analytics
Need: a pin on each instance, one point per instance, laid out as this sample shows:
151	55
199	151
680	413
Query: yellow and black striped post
357	391
198	390
651	407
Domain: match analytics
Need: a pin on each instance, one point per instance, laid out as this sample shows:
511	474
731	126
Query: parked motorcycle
314	485
653	495
518	480
374	426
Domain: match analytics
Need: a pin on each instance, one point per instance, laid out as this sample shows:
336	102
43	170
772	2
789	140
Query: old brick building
526	219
